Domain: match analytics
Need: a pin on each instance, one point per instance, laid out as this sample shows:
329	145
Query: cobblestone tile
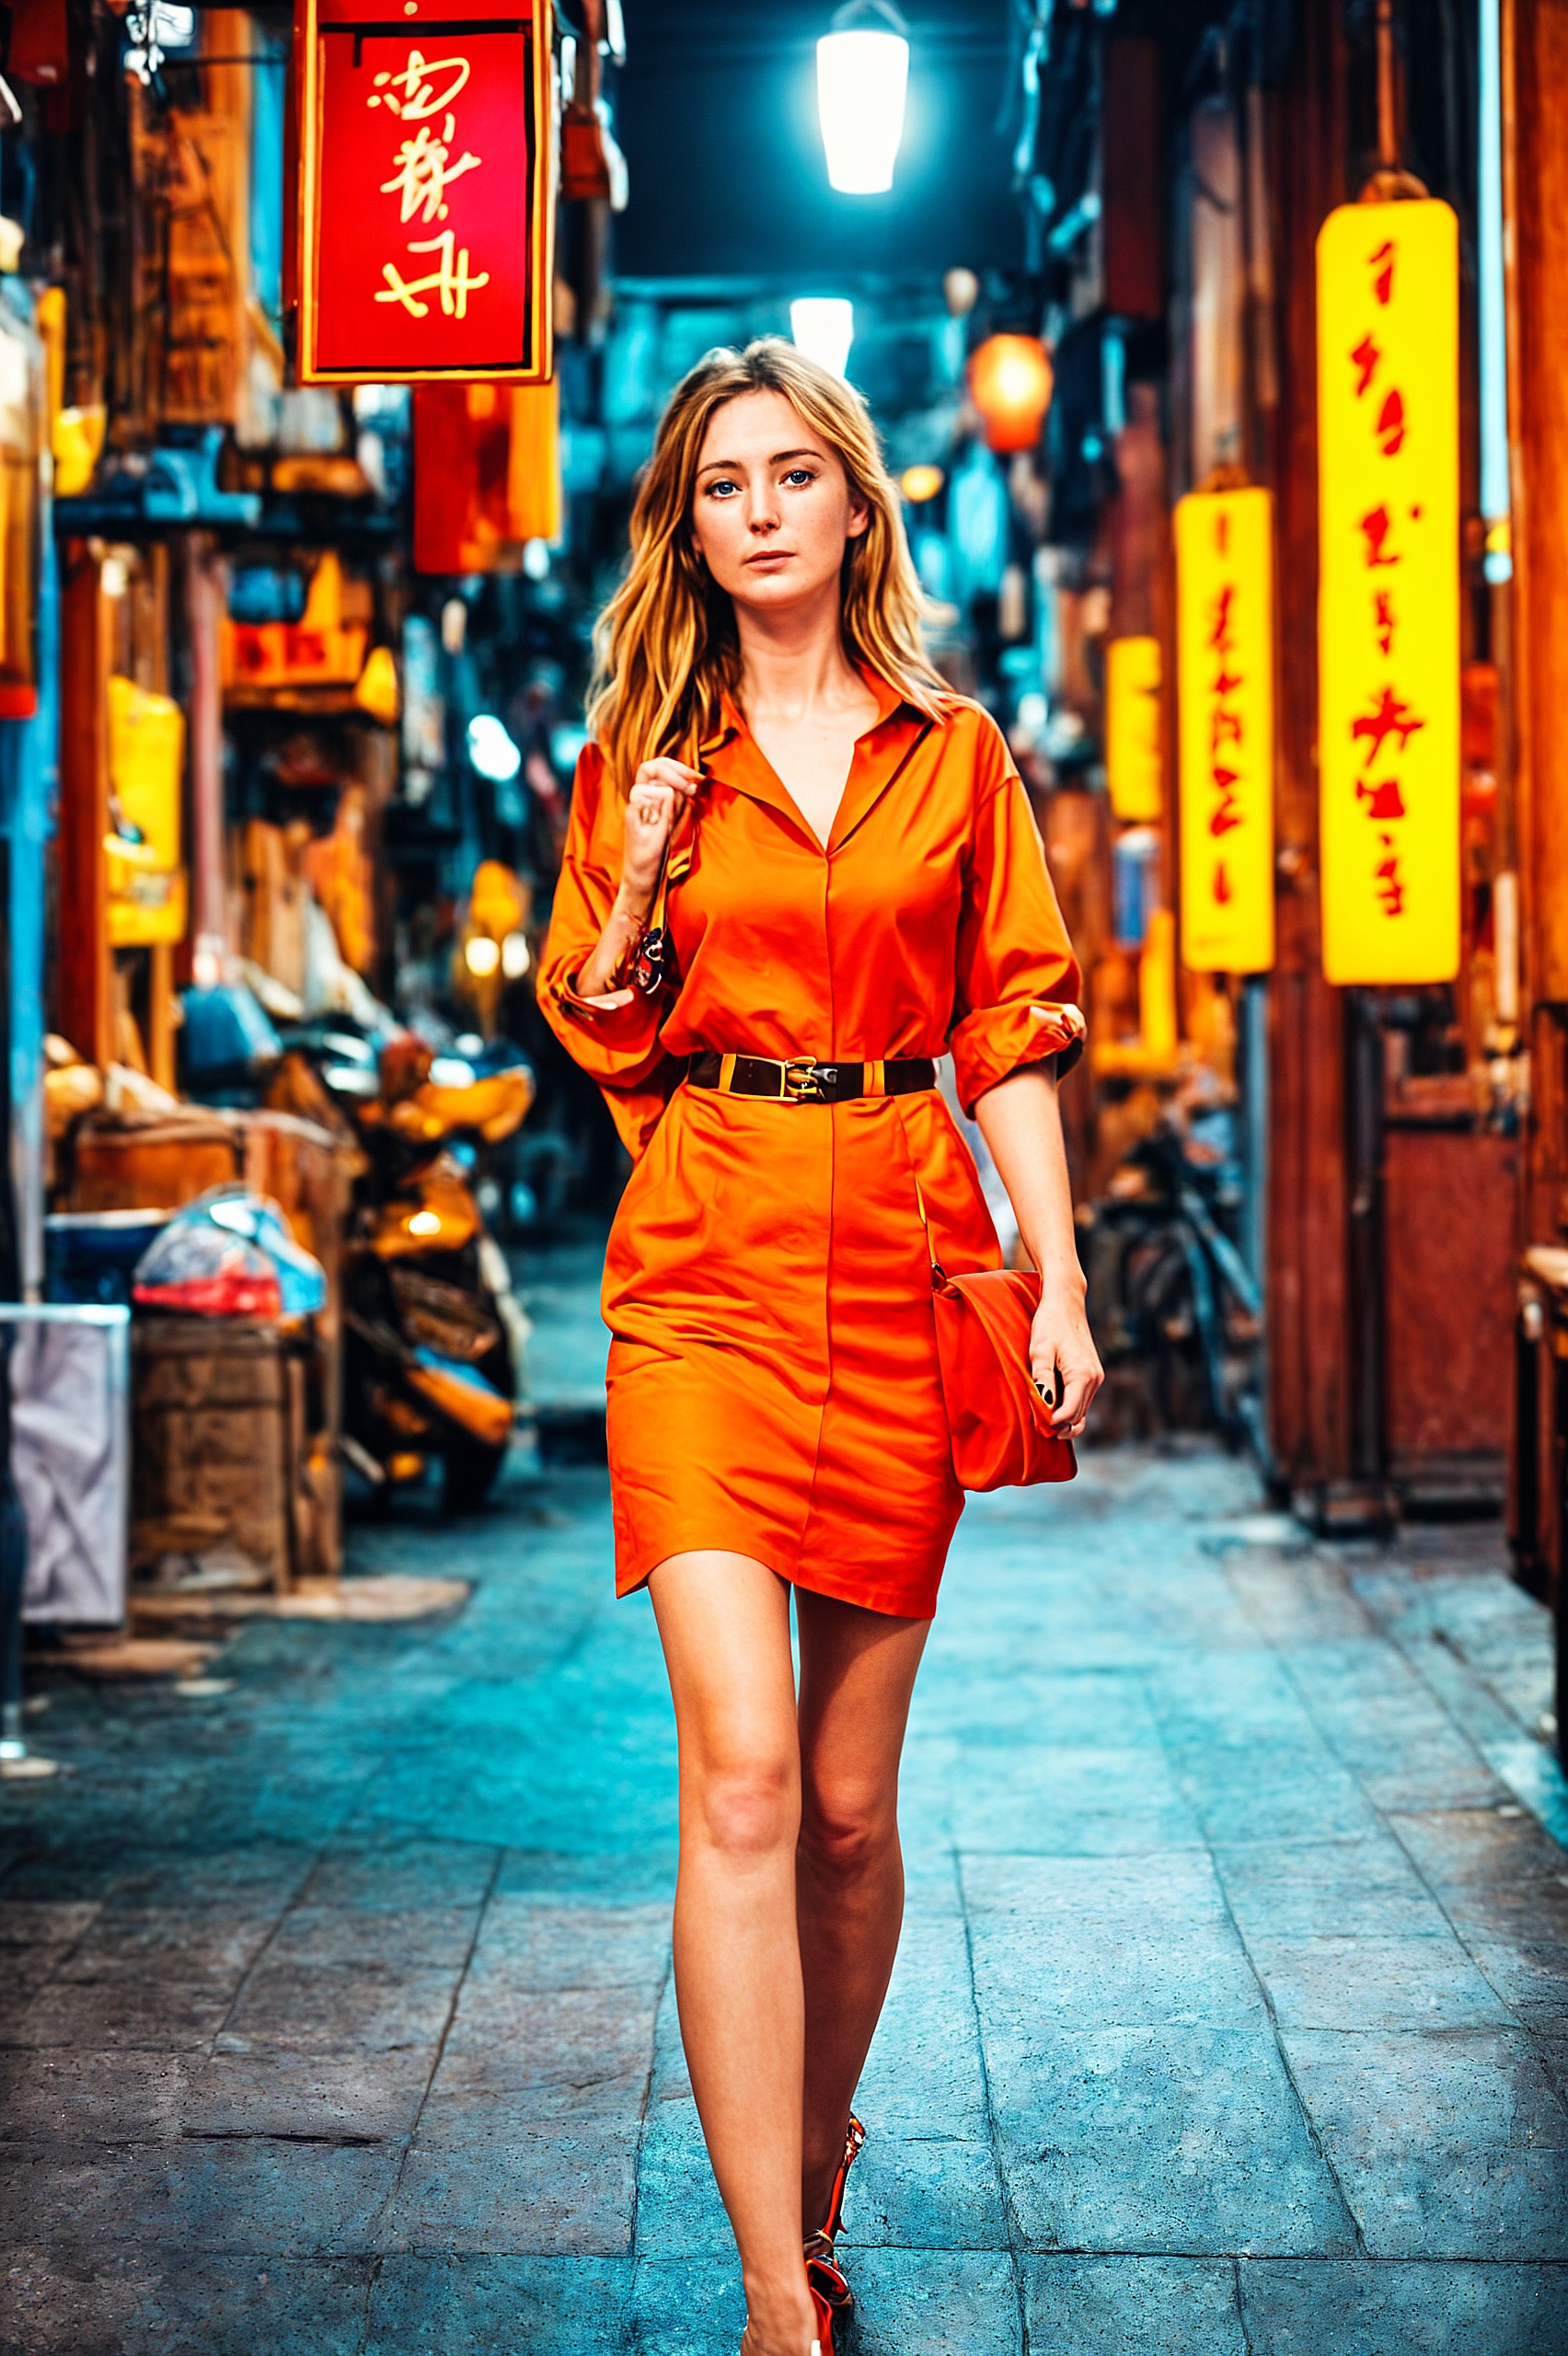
531	1945
1080	1943
929	2191
162	2015
1096	1707
682	2306
426	1894
281	2199
38	1923
933	2302
1446	2145
113	2302
570	2051
553	2192
406	1939
1530	1976
1329	2308
924	2067
1466	1854
313	2097
77	2099
1130	2306
80	2100
1360	1888
291	2007
1212	2152
1375	1983
482	2305
1052	1800
392	1876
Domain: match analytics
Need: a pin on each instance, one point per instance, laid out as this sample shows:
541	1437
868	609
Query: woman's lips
771	556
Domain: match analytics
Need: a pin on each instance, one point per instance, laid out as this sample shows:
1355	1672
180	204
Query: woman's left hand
1063	1356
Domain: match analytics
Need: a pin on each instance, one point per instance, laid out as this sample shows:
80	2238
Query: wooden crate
147	1162
218	1444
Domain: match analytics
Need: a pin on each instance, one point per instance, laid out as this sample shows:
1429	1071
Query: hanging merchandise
321	649
592	169
147	895
1133	751
39	50
342	879
204	352
425	218
1225	661
977	524
487	474
1388	592
21	430
1010	383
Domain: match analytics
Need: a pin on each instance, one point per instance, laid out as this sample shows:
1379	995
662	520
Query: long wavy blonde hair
666	647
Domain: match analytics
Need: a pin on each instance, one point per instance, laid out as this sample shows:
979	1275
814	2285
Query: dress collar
732	755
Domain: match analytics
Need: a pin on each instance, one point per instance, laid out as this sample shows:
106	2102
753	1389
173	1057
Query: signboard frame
429	20
1390	593
1226	728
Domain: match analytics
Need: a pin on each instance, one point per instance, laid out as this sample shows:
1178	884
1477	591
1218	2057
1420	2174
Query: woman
847	878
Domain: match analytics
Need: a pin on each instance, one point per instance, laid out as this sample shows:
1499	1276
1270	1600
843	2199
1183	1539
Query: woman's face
773	509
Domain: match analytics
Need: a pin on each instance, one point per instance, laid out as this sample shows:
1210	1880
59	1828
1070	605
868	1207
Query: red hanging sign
426	209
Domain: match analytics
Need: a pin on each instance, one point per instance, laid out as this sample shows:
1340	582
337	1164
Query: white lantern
823	327
862	75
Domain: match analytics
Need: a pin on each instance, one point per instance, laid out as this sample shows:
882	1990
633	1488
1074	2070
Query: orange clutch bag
1000	1424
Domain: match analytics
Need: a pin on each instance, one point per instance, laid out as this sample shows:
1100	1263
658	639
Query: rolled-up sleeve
1017	981
619	1046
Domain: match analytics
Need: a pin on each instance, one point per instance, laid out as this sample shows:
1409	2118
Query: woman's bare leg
724	1623
857	1675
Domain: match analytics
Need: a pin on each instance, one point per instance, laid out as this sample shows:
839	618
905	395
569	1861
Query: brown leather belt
802	1080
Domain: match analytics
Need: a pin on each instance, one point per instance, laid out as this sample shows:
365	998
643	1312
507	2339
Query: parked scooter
432	1332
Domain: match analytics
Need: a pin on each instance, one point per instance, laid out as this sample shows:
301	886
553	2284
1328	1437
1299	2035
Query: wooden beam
1534	63
83	999
1310	1346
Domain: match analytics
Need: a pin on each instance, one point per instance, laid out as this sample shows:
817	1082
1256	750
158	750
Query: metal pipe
211	942
1388	127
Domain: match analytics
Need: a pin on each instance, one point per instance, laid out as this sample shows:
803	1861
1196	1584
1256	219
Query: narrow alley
1232	2015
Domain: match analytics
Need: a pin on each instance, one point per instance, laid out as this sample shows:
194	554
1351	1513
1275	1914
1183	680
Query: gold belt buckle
800	1084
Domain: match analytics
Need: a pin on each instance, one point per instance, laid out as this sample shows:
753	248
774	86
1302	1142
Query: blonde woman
838	864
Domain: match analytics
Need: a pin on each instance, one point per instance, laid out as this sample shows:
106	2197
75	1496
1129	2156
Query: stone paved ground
1232	2014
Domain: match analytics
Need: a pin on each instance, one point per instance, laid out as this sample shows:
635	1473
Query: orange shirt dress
773	1384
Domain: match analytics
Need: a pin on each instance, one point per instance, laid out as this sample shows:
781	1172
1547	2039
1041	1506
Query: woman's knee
847	1830
747	1804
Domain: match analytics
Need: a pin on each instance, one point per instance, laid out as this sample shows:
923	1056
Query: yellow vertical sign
1133	766
1388	592
1224	662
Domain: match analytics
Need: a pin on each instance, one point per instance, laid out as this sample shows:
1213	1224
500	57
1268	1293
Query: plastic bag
197	1270
230	1254
301	1277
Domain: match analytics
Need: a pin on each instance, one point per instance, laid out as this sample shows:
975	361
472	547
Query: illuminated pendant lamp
1010	383
862	75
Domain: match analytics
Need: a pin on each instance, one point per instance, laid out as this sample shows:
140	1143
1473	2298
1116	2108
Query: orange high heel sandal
826	2277
823	2344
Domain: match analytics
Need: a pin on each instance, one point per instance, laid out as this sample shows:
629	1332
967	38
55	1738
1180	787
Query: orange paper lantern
1010	383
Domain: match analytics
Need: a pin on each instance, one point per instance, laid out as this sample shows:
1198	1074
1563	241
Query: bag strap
939	1274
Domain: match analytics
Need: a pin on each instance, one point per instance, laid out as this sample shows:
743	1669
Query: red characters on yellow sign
1388	613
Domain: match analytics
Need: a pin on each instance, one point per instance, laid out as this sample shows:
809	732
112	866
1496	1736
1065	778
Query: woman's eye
721	489
799	475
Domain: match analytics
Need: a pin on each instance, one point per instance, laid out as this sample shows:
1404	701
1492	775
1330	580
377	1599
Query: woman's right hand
661	789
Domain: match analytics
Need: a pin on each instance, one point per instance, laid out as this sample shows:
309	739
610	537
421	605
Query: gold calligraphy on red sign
426	215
